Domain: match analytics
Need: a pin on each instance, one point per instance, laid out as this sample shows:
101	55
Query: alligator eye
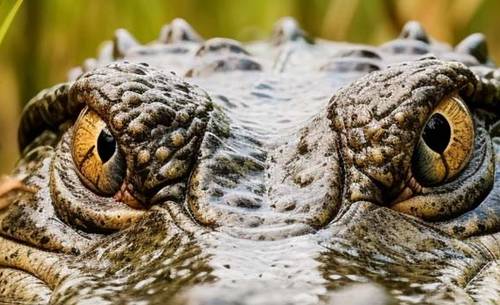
95	154
445	144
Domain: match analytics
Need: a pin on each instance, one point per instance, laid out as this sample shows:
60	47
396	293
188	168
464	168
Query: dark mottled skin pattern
266	172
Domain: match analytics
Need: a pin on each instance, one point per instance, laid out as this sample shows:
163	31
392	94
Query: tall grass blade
5	24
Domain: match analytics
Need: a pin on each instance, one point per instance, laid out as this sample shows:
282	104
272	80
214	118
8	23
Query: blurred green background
48	37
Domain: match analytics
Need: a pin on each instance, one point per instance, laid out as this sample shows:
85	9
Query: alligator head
288	171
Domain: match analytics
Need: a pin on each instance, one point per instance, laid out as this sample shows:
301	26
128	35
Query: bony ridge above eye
96	155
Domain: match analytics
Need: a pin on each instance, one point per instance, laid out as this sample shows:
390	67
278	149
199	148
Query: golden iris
96	155
446	143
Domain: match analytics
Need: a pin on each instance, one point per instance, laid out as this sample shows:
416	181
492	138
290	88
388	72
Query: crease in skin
485	217
478	286
27	289
181	219
490	244
10	184
30	217
49	267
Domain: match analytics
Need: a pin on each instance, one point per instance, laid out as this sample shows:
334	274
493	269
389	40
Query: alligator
290	170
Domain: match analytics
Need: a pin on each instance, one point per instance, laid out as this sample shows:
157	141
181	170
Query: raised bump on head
476	46
222	55
123	41
287	29
221	46
406	46
355	59
177	31
414	30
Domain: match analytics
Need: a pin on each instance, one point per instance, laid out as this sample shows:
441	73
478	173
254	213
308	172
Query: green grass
10	7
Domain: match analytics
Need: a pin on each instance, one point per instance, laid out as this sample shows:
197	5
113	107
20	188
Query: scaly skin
279	172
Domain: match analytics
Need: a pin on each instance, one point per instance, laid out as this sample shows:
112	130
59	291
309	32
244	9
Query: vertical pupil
106	145
437	133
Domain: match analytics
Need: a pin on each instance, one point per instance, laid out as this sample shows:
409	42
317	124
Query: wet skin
287	171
